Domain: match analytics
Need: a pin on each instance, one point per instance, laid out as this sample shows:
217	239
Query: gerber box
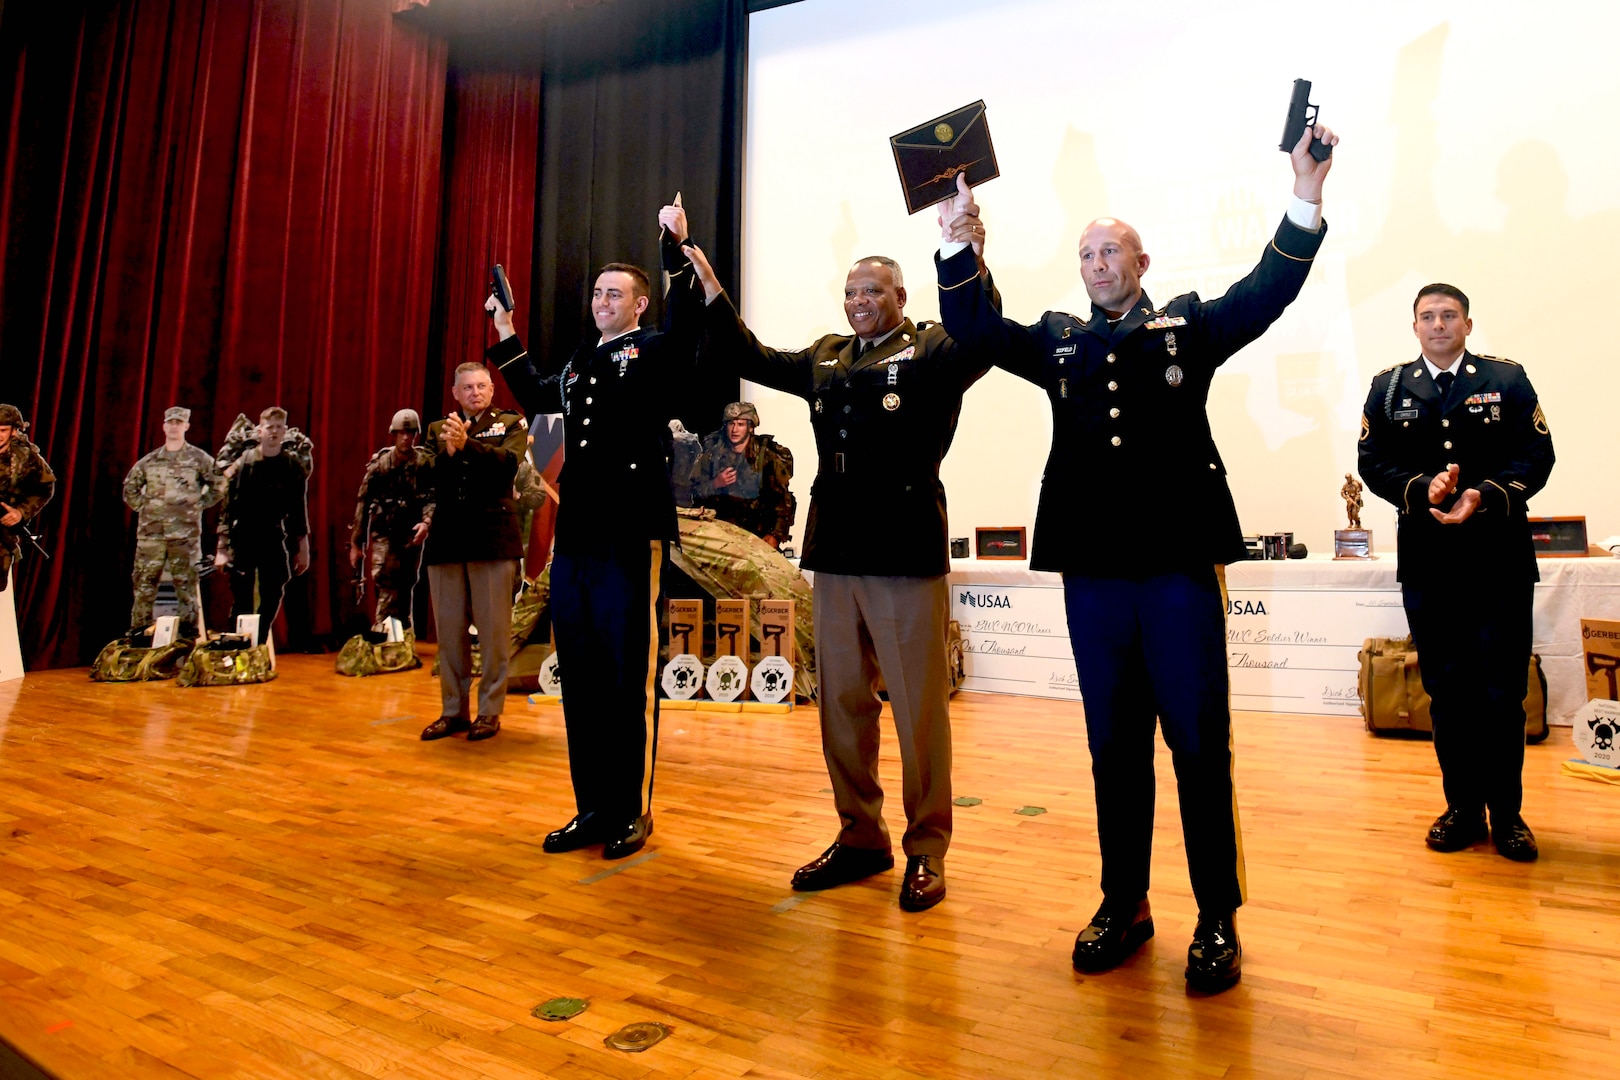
1600	646
776	629
731	629
685	618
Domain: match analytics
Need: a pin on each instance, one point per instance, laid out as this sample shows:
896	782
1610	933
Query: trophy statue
1354	542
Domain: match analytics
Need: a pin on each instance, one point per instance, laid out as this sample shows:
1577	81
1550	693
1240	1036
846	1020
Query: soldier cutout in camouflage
26	485
169	489
392	513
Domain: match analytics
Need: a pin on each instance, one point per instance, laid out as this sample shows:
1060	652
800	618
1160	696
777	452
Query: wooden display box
1006	542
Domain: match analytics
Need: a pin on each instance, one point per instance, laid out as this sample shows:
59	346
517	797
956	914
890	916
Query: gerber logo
982	600
1590	632
1246	607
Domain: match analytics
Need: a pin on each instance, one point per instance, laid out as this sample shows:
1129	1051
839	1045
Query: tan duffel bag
1393	698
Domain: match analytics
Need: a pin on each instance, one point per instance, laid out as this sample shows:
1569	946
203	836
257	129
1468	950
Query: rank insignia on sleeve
1366	429
1164	322
1540	422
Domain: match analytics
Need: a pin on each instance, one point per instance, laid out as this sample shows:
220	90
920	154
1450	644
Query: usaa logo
1246	607
984	600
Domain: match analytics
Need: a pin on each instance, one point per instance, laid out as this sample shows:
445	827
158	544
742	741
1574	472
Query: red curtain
492	133
219	205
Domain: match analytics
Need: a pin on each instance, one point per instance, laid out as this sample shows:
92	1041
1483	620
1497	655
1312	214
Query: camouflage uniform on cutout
757	497
395	497
169	490
26	485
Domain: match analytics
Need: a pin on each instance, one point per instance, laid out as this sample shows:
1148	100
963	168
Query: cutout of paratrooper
26	485
169	489
392	513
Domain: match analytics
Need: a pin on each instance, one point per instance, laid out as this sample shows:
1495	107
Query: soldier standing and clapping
169	489
391	517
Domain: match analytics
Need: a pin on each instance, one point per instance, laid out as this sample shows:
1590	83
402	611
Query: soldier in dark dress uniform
883	404
472	549
1132	454
615	517
1459	444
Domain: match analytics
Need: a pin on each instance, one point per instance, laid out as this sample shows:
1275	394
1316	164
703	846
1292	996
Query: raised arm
735	348
969	304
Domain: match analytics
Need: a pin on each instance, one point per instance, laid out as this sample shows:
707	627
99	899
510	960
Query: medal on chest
1173	375
623	357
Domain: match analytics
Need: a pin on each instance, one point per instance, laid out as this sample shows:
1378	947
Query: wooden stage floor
282	881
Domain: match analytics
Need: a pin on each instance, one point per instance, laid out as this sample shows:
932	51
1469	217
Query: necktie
1444	381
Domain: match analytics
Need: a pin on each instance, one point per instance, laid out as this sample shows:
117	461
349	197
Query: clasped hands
1444	484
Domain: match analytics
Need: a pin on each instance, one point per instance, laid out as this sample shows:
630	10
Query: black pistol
502	288
1301	114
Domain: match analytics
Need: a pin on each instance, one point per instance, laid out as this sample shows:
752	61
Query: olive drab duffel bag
226	661
127	661
371	653
1393	698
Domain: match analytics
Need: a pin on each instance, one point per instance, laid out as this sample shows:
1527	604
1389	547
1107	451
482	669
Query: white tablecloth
1294	627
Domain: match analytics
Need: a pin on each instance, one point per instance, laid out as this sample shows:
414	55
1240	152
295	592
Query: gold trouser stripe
1285	254
650	717
1237	823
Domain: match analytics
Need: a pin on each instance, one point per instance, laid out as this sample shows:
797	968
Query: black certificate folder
930	155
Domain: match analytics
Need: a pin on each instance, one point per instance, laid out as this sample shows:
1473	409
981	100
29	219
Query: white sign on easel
163	633
683	677
728	678
11	665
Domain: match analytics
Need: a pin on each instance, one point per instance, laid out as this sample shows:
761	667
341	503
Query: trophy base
1352	544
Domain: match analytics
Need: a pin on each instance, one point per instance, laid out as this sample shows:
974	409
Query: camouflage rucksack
218	663
125	661
369	653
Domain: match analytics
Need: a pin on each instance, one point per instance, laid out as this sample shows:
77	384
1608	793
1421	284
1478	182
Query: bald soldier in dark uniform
1135	513
883	404
1459	444
615	518
473	548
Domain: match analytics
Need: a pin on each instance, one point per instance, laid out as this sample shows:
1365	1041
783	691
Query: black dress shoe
582	831
444	725
1514	840
1116	931
629	839
840	865
924	884
1456	829
484	727
1215	957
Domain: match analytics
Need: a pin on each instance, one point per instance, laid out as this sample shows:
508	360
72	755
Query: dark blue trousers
1154	648
605	623
1473	642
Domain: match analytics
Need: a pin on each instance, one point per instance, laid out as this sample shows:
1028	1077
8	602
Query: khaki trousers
894	625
